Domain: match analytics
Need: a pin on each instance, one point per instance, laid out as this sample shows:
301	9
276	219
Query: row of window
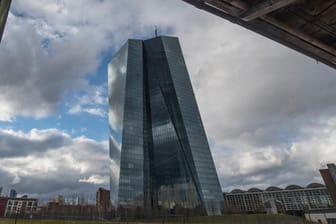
296	200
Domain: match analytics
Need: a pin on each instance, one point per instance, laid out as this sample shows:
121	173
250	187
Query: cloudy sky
269	112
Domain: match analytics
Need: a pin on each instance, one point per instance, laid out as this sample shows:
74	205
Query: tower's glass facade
156	133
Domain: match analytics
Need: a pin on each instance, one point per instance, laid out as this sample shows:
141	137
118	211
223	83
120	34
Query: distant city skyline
267	110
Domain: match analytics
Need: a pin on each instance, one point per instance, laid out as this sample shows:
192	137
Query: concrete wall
320	217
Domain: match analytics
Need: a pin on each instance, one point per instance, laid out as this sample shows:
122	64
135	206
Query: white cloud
93	102
248	166
96	179
56	166
96	95
16	180
266	109
77	109
96	111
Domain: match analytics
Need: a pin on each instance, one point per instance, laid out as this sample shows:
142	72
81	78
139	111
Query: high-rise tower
156	133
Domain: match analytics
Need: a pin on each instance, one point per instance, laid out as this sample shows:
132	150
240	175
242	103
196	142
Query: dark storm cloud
279	104
53	162
24	145
280	175
263	99
5	178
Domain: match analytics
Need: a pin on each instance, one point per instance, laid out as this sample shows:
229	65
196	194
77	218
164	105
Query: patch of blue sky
25	124
83	124
87	125
45	43
288	136
99	78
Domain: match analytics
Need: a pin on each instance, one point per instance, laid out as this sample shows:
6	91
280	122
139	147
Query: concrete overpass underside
308	26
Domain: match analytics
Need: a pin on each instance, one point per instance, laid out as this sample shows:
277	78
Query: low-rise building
55	210
103	199
292	199
20	206
3	204
324	216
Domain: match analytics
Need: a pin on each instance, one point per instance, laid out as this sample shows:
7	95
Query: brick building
3	204
103	199
329	178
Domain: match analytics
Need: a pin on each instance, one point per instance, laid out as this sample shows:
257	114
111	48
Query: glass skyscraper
160	157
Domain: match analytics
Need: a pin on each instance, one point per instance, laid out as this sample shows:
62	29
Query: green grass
225	219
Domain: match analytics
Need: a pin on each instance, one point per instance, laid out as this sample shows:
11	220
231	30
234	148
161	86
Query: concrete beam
264	8
4	8
273	31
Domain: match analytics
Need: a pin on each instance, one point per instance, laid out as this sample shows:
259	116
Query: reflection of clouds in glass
114	181
116	86
115	150
123	69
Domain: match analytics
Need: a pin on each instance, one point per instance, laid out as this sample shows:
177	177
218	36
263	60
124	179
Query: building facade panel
116	88
20	207
165	160
126	123
171	167
286	200
194	134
